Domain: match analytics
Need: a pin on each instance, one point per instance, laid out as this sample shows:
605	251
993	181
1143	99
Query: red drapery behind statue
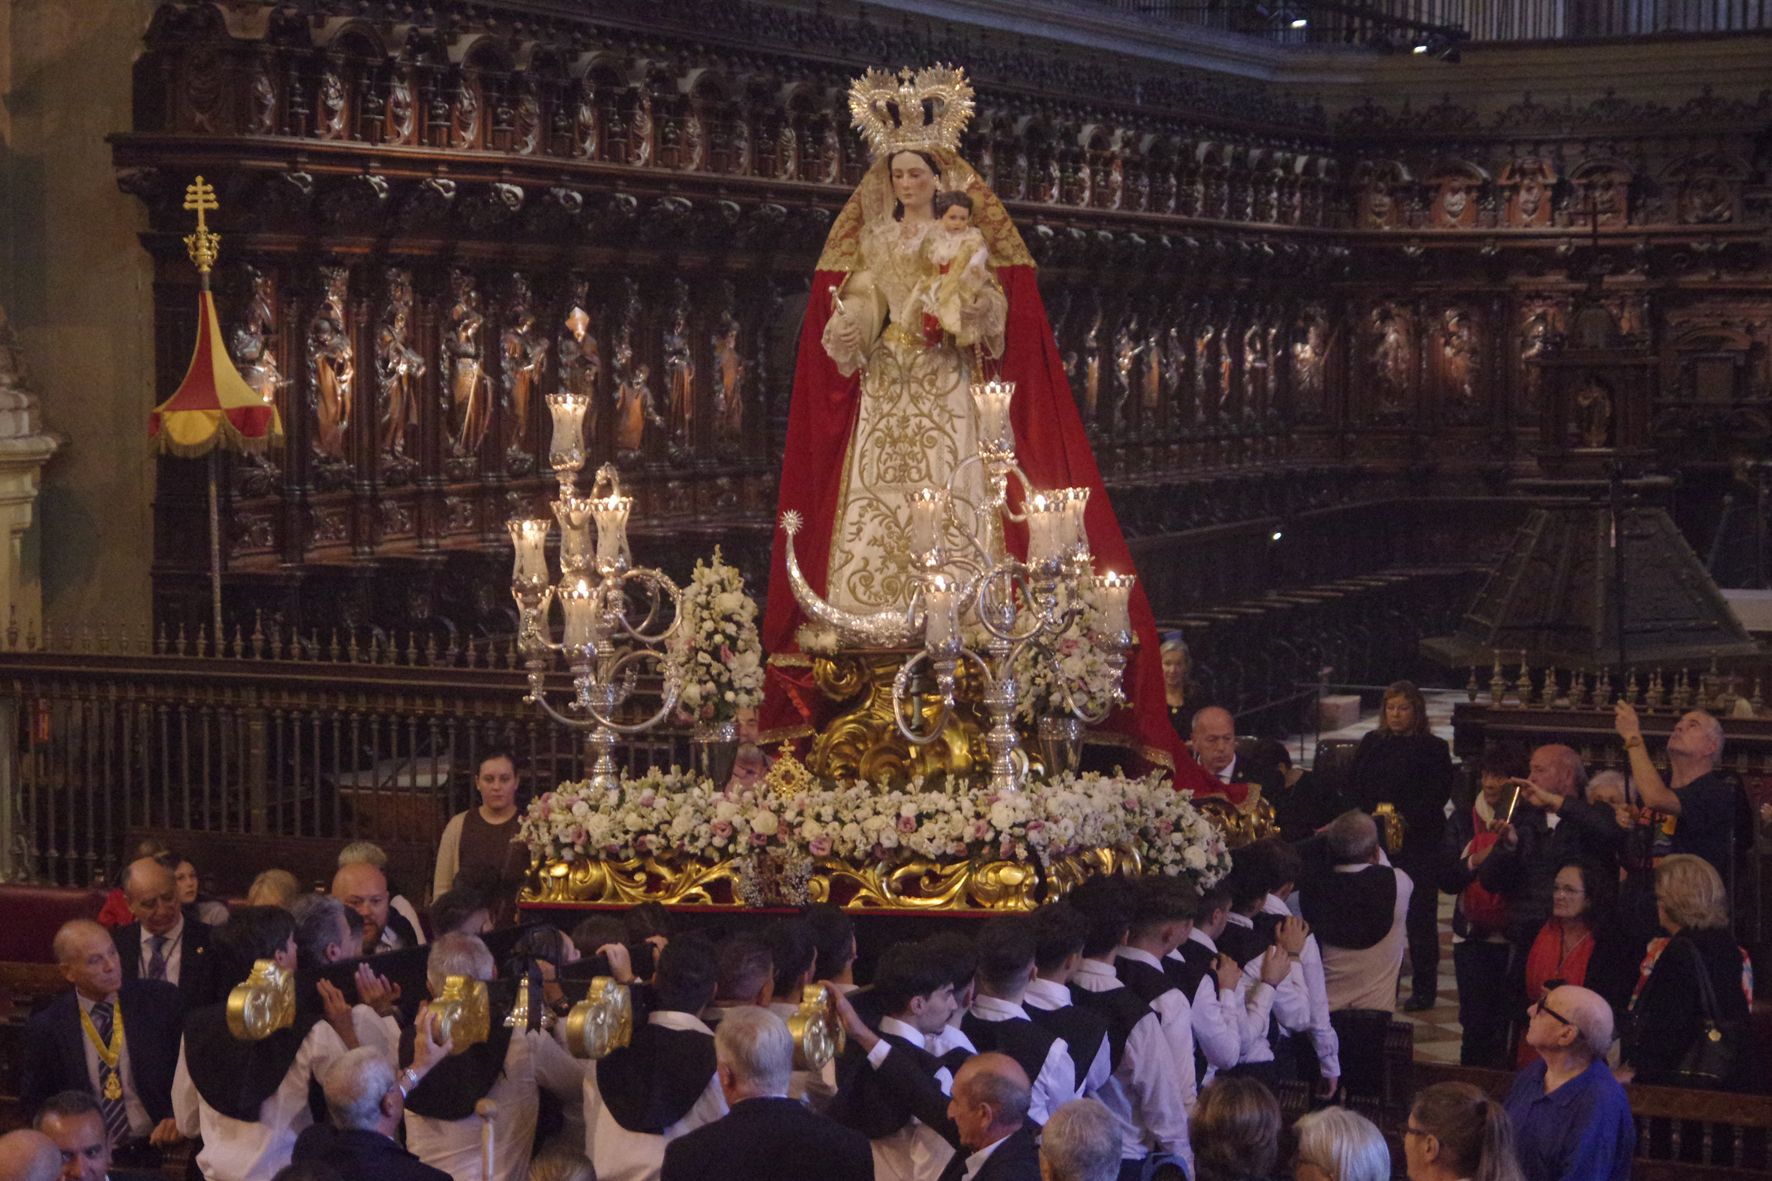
1052	450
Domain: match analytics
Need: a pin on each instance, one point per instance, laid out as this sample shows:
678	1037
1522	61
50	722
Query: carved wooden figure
332	371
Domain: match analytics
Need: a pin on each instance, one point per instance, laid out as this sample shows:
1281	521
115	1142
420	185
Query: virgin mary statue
882	400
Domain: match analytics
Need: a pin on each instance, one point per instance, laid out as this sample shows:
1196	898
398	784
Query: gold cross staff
202	244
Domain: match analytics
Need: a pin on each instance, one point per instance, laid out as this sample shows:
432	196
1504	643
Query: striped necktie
156	957
115	1113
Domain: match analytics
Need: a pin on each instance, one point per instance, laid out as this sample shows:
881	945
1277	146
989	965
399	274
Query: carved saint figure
466	397
634	409
581	364
261	101
679	375
1534	339
400	107
729	375
640	133
251	344
1127	349
584	132
398	368
526	126
1593	414
1204	369
464	118
525	354
1458	354
1309	358
1256	342
329	112
332	370
1390	359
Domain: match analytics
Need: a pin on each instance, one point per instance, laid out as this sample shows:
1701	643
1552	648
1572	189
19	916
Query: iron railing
341	737
1400	24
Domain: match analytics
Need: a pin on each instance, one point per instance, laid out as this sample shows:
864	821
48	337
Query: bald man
164	943
115	1039
364	888
989	1108
29	1156
1214	740
1571	1118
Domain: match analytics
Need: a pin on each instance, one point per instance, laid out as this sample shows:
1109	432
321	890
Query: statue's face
913	183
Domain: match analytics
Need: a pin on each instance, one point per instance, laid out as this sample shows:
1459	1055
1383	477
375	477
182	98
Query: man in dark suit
163	943
365	1102
990	1114
765	1136
113	1038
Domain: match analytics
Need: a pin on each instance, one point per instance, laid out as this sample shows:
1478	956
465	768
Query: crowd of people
1136	1029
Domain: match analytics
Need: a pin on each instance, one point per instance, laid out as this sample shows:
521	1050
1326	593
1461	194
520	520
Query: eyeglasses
1543	1007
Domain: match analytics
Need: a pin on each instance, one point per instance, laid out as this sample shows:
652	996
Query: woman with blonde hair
1457	1133
1695	981
1335	1144
1404	765
273	887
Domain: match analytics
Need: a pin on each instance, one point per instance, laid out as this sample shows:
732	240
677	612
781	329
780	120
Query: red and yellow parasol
213	407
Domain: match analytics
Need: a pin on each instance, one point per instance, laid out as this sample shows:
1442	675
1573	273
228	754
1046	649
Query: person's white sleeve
401	903
1323	1038
1057	1084
1217	1024
185	1107
557	1071
1258	1007
1156	1091
1099	1072
376	1032
322	1047
1177	1022
1292	1000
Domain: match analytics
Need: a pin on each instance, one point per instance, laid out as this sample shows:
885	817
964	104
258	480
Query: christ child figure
957	263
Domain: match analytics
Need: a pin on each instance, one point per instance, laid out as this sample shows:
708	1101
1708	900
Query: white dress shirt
1177	1019
253	1150
1310	966
140	1123
620	1155
1224	1021
1366	978
1048	995
916	1152
533	1060
951	1038
402	906
1144	1091
173	951
1057	1082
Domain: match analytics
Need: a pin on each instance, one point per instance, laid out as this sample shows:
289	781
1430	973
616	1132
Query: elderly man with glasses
1571	1118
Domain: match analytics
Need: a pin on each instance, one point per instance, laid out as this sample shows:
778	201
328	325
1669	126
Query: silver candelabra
616	617
1018	603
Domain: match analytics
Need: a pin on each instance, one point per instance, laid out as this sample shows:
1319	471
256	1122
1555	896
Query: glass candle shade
1076	504
529	537
567	450
1047	521
574	515
1113	592
611	513
992	400
938	608
928	509
579	603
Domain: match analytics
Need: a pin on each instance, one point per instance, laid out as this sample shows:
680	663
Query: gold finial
788	777
202	243
926	108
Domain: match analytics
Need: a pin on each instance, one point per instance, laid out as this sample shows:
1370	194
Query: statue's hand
847	334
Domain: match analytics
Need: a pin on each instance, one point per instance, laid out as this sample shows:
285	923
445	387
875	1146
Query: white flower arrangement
670	812
717	634
1069	668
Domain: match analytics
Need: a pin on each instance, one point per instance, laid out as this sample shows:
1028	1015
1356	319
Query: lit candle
529	537
1114	594
574	515
567	451
938	609
1076	505
1045	519
580	605
928	507
992	399
612	527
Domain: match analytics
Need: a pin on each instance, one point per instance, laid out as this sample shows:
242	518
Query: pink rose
722	828
758	838
907	824
819	846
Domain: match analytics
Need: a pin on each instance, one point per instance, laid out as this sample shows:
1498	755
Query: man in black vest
1144	1089
163	943
663	1083
913	993
1059	932
1163	910
765	1136
111	1038
998	1022
1267	950
1228	1008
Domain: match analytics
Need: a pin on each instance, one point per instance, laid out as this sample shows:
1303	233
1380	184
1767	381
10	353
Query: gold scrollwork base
864	743
901	884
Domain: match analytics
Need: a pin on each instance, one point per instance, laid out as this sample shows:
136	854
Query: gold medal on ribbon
113	1087
110	1055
